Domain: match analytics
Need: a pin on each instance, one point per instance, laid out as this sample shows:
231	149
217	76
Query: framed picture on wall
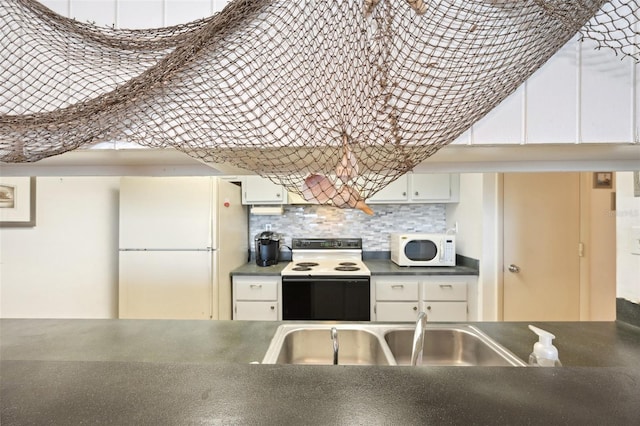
17	201
603	180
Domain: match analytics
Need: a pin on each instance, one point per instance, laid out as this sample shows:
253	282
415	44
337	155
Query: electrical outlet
267	227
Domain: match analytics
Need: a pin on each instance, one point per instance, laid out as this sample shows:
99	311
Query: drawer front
397	311
255	290
445	311
256	311
444	291
397	290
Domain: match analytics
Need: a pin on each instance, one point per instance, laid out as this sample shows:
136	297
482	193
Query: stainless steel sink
312	344
386	344
459	345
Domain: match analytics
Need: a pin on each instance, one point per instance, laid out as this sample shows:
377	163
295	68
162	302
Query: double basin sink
386	344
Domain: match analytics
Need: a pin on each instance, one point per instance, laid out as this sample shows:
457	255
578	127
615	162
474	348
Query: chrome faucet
418	339
336	346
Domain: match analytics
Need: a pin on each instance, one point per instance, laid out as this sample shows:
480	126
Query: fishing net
332	99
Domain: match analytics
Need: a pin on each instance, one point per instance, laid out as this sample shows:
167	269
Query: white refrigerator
180	237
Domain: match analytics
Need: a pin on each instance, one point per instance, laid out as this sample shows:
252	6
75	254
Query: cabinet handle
446	286
416	193
273	308
415	308
255	285
428	308
397	285
404	194
278	195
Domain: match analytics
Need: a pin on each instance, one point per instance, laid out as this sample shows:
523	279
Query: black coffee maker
267	248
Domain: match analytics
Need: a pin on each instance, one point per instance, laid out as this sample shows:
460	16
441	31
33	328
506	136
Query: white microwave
423	249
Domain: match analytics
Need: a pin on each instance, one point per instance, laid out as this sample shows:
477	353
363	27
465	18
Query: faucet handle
336	346
418	339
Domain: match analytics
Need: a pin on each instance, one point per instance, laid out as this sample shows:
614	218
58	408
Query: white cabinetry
258	190
256	298
401	298
396	298
433	187
396	192
444	299
420	188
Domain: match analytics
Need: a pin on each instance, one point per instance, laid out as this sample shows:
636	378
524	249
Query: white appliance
326	280
423	249
180	237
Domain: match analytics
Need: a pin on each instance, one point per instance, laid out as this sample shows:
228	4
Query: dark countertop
253	269
194	372
377	267
387	267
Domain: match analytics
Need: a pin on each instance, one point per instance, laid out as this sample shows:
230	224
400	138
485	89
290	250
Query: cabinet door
445	311
252	289
396	290
444	291
397	311
430	186
256	311
258	190
396	192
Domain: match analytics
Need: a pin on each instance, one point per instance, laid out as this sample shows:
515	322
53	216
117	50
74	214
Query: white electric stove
326	257
326	280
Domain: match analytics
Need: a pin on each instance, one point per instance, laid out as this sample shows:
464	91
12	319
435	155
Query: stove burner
306	264
300	268
346	268
347	263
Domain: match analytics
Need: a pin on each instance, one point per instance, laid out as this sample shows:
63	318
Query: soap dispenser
544	353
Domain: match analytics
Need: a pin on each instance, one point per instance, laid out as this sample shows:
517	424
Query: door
165	212
541	219
165	284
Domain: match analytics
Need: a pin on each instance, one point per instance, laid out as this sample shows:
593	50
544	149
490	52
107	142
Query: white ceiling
453	158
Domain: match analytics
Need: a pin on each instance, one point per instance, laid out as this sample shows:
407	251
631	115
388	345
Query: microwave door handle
441	250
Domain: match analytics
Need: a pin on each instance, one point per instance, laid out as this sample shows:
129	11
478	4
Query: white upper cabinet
430	187
396	191
420	188
258	190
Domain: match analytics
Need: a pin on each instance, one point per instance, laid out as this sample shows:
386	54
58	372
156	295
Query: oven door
326	298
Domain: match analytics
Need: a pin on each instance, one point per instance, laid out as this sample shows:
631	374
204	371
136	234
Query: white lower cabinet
397	311
256	298
445	311
396	298
401	298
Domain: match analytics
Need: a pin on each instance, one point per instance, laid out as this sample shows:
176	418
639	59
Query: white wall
468	216
627	217
67	265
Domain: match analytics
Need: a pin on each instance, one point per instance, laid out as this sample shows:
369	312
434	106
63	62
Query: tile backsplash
311	221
